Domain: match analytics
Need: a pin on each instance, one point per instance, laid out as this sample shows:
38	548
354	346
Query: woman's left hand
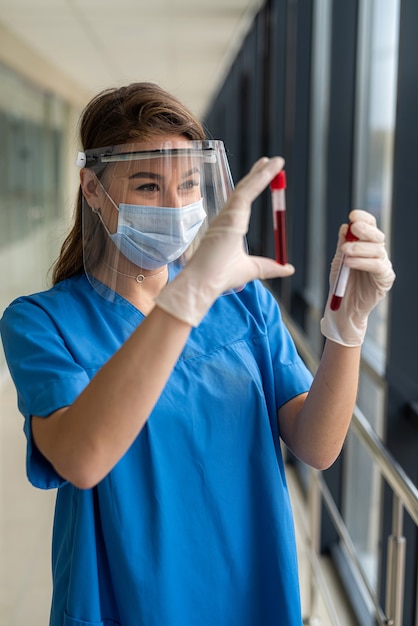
371	277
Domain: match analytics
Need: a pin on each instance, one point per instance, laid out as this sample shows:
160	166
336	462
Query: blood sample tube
342	277
278	202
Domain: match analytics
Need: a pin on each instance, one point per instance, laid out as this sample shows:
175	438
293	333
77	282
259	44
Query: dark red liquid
335	302
280	238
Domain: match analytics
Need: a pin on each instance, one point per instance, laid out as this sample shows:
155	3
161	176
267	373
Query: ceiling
183	45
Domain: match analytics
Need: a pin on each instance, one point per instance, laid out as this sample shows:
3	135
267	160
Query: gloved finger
342	233
260	175
359	215
378	266
257	179
363	249
367	231
253	267
375	262
268	268
236	213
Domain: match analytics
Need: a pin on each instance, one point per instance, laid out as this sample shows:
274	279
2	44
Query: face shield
146	205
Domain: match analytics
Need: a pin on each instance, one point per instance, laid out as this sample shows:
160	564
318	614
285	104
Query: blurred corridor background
333	87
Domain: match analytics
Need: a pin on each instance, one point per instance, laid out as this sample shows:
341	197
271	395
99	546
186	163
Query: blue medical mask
153	236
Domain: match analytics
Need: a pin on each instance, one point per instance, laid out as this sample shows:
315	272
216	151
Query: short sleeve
291	375
45	375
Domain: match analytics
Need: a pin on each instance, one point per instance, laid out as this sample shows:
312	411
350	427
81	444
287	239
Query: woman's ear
90	187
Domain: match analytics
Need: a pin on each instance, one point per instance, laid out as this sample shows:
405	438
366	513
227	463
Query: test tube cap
279	181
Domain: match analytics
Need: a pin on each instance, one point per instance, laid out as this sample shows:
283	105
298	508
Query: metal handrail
393	473
405	497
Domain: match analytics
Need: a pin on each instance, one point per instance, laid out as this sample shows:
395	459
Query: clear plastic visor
146	206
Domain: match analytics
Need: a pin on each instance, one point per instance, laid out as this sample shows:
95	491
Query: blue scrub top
193	526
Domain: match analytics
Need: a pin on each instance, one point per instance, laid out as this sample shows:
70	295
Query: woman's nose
172	198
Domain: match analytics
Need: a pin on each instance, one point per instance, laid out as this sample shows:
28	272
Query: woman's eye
189	184
148	187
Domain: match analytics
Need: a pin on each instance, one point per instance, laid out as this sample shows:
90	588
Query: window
33	127
375	129
314	292
373	165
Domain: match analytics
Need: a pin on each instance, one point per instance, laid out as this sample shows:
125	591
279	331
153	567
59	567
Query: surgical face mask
152	236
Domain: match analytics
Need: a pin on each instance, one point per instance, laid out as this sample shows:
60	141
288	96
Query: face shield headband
146	206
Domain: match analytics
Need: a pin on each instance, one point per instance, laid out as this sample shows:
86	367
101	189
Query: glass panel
363	484
373	163
33	126
318	159
375	119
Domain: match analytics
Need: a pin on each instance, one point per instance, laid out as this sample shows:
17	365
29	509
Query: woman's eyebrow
155	176
192	170
152	175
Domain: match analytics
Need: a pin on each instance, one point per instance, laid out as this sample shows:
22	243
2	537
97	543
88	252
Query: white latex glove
371	277
220	263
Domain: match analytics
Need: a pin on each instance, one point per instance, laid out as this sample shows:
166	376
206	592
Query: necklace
138	277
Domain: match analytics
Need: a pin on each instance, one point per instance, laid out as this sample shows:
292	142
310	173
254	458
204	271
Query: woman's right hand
220	262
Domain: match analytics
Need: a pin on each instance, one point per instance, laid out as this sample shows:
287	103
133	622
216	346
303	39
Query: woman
155	391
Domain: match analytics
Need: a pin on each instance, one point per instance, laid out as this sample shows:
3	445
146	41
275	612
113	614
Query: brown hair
116	116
